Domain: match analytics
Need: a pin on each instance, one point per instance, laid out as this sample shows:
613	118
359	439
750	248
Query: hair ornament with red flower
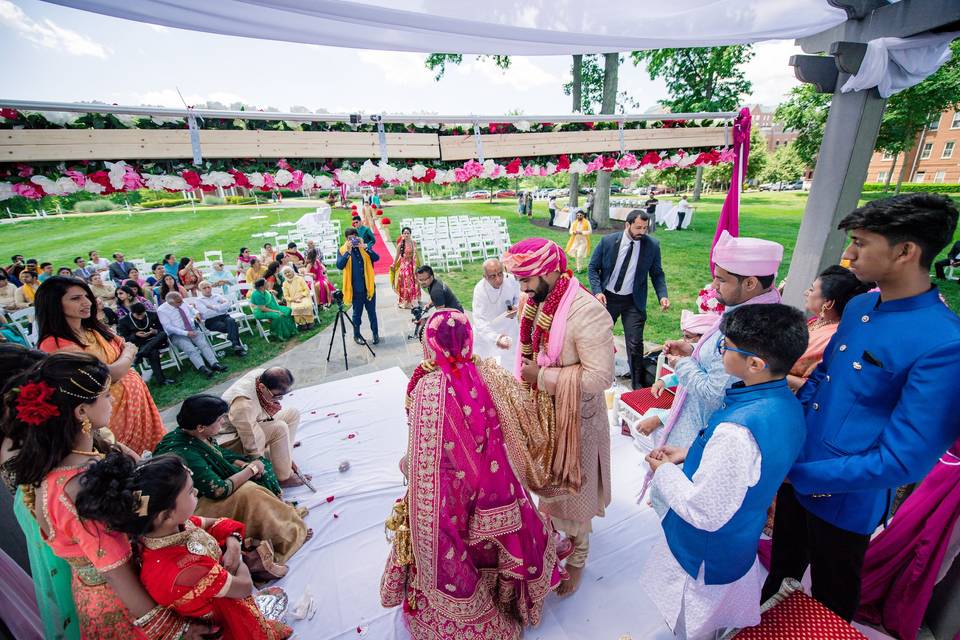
33	403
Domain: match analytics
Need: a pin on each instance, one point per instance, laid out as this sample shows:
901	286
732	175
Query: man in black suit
119	269
143	328
952	260
618	272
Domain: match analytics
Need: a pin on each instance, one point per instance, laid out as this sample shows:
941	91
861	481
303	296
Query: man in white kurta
495	323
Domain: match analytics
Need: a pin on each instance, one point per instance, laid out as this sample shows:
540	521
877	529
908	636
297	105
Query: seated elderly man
178	319
214	310
262	425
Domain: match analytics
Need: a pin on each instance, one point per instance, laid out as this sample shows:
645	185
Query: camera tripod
342	319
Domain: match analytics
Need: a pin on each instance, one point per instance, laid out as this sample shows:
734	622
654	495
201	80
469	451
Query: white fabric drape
895	64
560	27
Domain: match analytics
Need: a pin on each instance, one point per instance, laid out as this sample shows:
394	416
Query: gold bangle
148	616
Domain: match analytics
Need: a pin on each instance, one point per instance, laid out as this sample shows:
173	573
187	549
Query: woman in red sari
479	559
190	564
404	271
67	321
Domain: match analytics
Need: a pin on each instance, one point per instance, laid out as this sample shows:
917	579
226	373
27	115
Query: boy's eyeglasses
722	348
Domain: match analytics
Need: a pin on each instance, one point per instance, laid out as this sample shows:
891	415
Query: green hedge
914	187
238	200
159	204
91	206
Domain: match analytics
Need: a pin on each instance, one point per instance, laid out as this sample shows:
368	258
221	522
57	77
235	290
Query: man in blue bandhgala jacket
881	407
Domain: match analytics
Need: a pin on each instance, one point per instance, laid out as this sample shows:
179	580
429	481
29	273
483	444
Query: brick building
935	157
773	131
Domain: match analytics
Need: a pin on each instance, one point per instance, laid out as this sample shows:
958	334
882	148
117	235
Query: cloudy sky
54	53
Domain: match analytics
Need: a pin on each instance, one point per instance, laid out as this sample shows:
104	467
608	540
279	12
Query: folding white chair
24	322
210	256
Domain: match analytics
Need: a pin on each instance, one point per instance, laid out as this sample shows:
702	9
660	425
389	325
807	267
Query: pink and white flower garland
120	176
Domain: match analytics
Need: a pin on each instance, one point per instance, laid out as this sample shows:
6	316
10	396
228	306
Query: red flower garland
33	403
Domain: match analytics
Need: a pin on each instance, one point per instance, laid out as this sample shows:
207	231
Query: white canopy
558	27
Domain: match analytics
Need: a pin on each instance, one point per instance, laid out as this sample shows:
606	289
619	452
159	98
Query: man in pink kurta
570	357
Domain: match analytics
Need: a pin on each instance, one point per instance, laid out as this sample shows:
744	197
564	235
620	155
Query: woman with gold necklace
68	322
50	415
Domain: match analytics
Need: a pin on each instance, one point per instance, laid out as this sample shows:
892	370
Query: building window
955	124
881	176
920	175
939	176
887	156
934	125
947	151
927	150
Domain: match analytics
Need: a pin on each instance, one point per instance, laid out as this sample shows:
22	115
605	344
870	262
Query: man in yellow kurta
566	350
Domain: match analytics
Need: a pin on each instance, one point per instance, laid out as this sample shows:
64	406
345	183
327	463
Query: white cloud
48	33
170	98
770	71
522	75
399	68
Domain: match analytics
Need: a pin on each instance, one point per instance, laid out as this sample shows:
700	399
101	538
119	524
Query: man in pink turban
566	352
745	273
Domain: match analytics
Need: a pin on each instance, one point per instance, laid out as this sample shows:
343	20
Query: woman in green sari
51	575
232	485
265	307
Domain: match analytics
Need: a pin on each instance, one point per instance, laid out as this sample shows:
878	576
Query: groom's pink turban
534	257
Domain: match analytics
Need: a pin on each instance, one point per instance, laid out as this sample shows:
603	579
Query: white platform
343	562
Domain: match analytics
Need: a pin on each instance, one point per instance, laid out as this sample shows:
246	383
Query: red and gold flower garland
533	338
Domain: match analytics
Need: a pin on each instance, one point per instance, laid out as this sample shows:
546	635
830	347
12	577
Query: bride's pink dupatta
482	553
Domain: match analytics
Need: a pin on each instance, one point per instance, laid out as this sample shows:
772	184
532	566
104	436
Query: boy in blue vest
881	407
704	575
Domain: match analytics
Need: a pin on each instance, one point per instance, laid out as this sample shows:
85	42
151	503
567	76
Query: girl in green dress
265	307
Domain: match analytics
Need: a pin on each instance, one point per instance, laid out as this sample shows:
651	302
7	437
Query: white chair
246	309
951	273
210	256
24	322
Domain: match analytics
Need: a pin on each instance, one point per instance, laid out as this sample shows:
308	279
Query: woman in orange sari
64	314
190	564
826	299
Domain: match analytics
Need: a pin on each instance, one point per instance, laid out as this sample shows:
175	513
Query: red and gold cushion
800	616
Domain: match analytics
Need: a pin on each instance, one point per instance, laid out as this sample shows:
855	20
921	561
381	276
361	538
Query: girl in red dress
190	564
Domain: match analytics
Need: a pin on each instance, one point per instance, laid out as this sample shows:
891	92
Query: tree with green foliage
906	114
437	62
785	165
699	79
759	157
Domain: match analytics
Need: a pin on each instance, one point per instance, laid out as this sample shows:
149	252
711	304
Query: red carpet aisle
381	266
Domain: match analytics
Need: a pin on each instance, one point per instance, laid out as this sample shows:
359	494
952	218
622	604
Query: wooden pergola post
852	123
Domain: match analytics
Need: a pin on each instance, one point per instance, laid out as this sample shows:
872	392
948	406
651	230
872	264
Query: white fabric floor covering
342	564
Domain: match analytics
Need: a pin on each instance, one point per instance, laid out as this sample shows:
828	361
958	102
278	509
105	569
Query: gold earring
86	426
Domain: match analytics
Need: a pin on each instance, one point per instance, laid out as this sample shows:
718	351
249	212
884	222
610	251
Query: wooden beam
820	71
900	19
510	145
34	145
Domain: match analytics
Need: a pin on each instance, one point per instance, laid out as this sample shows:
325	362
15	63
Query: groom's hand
529	371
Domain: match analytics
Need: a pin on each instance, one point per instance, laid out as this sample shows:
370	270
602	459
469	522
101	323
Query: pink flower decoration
78	178
282	164
628	161
297	183
650	157
330	498
28	190
131	179
543	171
268	183
727	155
25	170
528	170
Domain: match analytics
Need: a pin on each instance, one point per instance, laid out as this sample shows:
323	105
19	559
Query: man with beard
745	273
566	351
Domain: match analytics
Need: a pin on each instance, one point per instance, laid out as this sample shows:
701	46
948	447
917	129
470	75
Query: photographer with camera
495	323
441	297
355	260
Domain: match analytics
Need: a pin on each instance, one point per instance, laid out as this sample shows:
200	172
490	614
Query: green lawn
149	235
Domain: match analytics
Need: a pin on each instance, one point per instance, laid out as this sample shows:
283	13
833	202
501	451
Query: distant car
796	185
505	193
479	194
616	188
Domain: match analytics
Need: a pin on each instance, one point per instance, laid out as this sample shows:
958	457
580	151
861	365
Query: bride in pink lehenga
471	556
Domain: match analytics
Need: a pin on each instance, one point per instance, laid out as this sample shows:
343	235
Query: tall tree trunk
886	183
903	174
601	200
577	91
698	185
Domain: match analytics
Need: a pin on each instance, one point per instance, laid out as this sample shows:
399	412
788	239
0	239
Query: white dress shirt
627	288
209	307
490	321
172	321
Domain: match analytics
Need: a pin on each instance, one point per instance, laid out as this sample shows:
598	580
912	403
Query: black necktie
623	269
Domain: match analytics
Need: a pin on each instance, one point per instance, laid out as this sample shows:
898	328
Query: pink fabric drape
18	602
469	512
730	214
